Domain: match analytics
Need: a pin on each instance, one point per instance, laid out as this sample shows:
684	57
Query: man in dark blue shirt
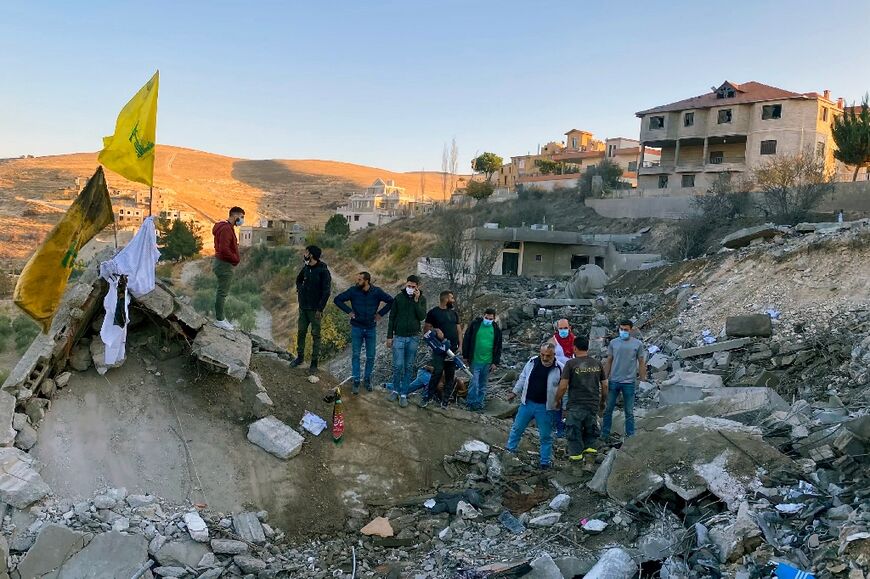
365	299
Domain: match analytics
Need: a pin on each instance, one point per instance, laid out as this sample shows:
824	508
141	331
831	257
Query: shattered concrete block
7	416
249	528
561	502
739	538
545	520
196	527
228	547
54	545
711	348
275	437
743	237
62	379
26	438
189	316
574	566
33	364
158	301
689	387
226	352
721	359
378	527
19	421
35	409
20	483
614	564
544	568
249	564
255	396
599	481
659	362
752	325
111	554
182	553
746	405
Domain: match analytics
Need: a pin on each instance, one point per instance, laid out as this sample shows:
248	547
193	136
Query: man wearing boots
313	285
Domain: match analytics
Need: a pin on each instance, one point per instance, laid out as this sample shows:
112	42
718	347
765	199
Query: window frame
663	181
660	126
716	155
719	115
775	112
689	119
683	181
761	150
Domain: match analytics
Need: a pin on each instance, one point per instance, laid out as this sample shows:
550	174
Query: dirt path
264	324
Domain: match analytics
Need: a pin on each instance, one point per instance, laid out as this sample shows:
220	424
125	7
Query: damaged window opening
688	119
656	123
768	147
724	116
771	112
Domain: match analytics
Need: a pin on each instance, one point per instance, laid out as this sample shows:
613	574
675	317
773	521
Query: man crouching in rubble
626	359
584	380
537	386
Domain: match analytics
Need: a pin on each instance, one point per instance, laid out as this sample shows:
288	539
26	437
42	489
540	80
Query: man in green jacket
403	336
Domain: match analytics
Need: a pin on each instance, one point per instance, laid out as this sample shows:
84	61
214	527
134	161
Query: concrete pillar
677	154
705	155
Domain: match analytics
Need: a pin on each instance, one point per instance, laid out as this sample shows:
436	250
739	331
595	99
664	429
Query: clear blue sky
386	82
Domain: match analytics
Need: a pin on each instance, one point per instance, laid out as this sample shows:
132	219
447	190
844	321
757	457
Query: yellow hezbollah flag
130	151
43	280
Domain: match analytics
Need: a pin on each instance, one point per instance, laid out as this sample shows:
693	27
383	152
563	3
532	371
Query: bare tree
792	186
467	266
454	164
444	178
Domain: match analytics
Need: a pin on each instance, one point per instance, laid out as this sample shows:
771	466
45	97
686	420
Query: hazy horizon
386	83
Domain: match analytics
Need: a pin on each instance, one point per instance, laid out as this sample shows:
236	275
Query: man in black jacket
313	285
481	348
365	312
403	336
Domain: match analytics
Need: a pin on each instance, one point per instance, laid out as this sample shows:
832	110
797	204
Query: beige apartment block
731	130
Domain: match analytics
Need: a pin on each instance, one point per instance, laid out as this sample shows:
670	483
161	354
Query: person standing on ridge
226	257
313	286
481	348
403	336
626	360
365	299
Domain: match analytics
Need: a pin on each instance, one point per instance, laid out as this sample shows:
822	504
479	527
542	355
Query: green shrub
400	251
366	249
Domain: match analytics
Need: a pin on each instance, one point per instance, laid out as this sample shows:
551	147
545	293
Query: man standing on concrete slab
444	319
626	360
313	285
537	387
481	347
563	340
584	380
365	312
403	336
226	257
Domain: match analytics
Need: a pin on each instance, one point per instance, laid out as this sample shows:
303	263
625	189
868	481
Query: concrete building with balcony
272	233
730	130
572	157
379	204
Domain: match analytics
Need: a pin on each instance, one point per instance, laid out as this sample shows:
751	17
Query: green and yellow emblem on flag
130	151
43	280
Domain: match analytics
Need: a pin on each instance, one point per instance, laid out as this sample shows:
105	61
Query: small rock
379	527
228	547
313	379
249	564
121	524
594	526
196	527
445	534
19	421
104	502
560	502
545	520
26	437
62	379
492	531
170	571
275	437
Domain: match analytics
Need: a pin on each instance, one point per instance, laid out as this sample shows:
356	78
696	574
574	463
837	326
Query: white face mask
410	291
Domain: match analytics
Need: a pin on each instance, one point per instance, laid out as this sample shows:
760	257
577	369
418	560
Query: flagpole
150	199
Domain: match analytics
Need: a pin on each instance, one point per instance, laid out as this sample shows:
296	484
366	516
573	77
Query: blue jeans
357	335
404	353
627	389
544	421
558	423
477	387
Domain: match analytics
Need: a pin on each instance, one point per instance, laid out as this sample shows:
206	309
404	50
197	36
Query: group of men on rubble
562	388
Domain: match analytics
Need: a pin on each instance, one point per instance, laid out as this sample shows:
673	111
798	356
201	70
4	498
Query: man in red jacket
226	257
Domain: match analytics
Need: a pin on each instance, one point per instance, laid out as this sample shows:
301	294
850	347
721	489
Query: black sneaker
424	402
297	362
355	389
368	386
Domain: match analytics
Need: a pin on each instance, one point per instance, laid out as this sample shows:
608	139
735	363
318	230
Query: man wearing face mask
563	341
481	347
403	336
365	299
226	257
626	360
444	319
313	285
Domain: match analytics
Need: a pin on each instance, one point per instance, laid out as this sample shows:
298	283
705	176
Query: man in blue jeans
481	347
537	386
403	336
365	299
626	360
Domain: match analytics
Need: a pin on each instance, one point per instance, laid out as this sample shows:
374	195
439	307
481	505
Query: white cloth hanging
137	261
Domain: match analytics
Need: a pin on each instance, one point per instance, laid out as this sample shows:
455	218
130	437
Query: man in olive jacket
403	336
313	286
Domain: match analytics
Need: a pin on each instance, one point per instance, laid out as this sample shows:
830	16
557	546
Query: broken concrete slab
26	438
158	301
20	483
228	547
743	237
561	302
188	316
249	528
752	325
54	545
575	566
196	527
226	352
7	412
544	568
599	481
659	362
182	553
614	564
689	387
255	396
742	536
275	437
748	405
110	555
711	348
690	456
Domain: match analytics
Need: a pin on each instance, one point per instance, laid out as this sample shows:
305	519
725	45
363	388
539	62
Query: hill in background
33	190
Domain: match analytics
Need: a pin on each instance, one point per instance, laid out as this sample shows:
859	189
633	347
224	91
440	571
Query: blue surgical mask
624	334
240	221
563	332
487	322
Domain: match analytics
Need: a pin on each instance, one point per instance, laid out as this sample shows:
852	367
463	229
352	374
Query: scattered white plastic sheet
653	349
789	508
475	446
708	337
430	503
312	423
